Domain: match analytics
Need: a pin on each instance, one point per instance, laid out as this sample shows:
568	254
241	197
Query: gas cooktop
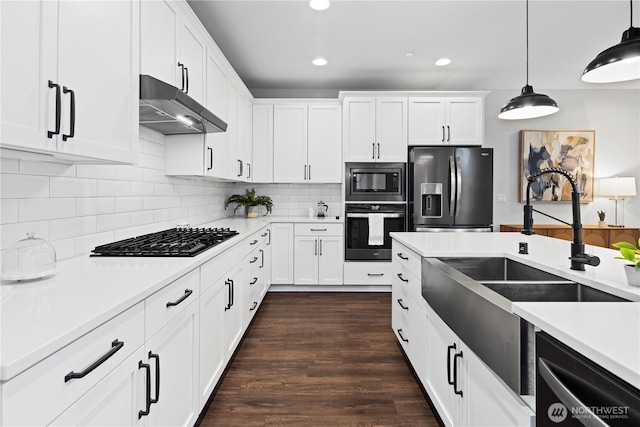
174	242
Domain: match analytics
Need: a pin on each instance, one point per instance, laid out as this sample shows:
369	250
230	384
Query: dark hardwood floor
319	359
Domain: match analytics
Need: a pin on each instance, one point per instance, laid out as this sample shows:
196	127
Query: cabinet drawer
403	277
367	273
256	239
44	385
407	258
169	301
318	229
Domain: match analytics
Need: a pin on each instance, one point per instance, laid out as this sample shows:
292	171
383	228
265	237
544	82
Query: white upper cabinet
262	143
375	129
172	47
307	143
446	120
216	101
70	79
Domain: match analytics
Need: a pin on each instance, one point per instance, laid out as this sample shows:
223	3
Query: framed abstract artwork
571	150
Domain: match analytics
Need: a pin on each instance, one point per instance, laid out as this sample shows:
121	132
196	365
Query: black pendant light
619	63
528	104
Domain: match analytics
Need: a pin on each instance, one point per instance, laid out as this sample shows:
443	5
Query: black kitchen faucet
578	257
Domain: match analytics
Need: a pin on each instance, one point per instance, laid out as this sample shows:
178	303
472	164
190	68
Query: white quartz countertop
39	317
606	333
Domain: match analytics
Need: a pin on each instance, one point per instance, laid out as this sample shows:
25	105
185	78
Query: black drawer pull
157	357
254	281
255	305
264	234
402	256
375	274
210	158
449	348
455	374
115	346
402	305
72	118
254	242
148	389
402	336
255	258
58	106
402	278
187	293
318	229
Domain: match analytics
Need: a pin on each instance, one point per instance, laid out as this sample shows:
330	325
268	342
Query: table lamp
617	188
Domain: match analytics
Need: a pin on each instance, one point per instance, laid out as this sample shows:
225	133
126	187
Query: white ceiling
271	43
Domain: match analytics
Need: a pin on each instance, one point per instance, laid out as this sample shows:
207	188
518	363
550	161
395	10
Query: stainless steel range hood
170	111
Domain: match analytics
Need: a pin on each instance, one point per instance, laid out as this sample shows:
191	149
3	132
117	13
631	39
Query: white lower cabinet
319	254
232	321
367	273
212	351
282	253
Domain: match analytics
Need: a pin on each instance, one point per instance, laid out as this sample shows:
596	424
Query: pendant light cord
527	42
631	13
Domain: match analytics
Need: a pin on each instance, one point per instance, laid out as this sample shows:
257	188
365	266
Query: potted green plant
630	252
250	202
601	222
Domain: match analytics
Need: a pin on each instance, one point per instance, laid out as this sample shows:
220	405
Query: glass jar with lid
30	258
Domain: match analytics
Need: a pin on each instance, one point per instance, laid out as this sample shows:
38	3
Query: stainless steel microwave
375	182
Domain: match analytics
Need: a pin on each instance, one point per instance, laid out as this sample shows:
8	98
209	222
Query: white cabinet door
289	143
176	346
235	163
114	401
359	129
216	156
233	284
212	351
417	318
100	72
443	345
192	57
391	129
158	42
244	149
282	253
28	63
324	144
465	120
330	260
306	260
262	136
427	121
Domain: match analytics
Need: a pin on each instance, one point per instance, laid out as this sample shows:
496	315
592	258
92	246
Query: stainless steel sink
474	297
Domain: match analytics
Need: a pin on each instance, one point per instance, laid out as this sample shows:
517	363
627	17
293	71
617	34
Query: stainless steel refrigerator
450	189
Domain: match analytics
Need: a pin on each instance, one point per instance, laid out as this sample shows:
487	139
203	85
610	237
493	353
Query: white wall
613	114
78	207
295	199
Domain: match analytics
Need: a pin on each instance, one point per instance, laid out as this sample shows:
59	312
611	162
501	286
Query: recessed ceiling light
319	62
443	61
319	4
408	54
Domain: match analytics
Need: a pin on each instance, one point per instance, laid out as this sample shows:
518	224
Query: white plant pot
252	212
633	275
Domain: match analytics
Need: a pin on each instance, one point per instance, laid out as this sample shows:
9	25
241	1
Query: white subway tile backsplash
141	217
65	248
94	205
72	227
128	204
9	165
9	211
146	161
85	244
73	187
129	173
49	208
47	168
163	189
153	175
96	171
11	233
14	186
154	202
113	188
112	221
153	148
142	189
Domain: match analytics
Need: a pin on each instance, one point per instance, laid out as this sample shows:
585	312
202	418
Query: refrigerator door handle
458	185
453	185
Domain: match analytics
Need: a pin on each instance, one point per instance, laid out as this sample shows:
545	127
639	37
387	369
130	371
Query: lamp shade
619	63
617	187
528	105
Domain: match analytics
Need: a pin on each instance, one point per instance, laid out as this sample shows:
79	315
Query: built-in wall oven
375	205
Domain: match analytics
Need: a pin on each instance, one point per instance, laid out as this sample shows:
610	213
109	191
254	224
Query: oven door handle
364	215
565	396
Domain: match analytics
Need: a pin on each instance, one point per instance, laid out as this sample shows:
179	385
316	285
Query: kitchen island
607	333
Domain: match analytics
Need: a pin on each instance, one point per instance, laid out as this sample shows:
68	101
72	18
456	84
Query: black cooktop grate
174	242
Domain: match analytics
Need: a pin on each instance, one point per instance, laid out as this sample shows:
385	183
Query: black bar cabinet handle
269	239
255	258
187	292
262	258
320	246
157	357
181	75
72	118
233	293
378	150
442	133
186	71
375	274
455	374
254	281
402	256
210	158
402	336
318	229
448	133
116	345
255	305
309	172
402	278
148	389
305	172
264	234
402	305
373	150
58	106
228	306
248	170
253	242
449	348
240	162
